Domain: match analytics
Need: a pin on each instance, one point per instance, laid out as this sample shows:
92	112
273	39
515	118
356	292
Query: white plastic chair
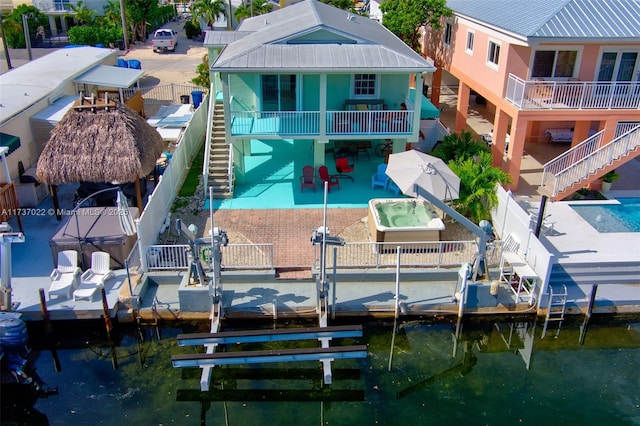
95	277
64	278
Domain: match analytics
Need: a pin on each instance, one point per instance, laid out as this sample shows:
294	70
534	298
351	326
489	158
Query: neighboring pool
623	216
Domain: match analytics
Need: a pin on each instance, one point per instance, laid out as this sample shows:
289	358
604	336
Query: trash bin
135	64
197	98
121	44
184	99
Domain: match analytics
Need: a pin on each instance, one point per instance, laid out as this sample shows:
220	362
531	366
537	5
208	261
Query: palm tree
460	146
478	180
209	10
81	13
253	8
112	12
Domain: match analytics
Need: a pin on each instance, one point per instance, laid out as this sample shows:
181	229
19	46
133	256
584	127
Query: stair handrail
586	158
207	142
230	171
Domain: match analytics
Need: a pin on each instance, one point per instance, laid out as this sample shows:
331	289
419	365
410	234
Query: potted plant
608	179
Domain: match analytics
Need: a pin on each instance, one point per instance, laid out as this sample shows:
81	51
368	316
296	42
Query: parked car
164	39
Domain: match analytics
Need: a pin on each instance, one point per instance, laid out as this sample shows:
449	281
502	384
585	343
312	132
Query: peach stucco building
553	71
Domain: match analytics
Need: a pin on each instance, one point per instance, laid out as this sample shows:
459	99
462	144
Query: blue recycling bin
123	63
196	95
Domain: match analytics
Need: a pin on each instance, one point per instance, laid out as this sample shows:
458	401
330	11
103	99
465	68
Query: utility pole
27	37
4	44
125	33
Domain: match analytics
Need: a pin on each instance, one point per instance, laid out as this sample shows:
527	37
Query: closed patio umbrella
127	224
410	168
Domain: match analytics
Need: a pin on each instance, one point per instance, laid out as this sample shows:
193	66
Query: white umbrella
410	168
126	221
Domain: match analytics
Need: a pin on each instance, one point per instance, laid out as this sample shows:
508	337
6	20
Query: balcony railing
337	123
541	94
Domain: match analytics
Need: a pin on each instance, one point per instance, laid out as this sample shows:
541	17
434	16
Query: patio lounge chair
325	177
64	278
95	277
308	178
380	178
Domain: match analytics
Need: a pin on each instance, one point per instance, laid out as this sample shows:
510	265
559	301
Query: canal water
483	374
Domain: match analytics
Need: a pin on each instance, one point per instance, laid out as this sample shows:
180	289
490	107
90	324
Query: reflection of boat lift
464	367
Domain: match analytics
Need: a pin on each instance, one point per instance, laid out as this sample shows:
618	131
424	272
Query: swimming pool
623	216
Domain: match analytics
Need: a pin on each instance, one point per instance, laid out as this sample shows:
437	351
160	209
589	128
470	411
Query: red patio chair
343	167
326	177
308	178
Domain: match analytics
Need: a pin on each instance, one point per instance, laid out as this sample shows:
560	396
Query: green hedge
90	36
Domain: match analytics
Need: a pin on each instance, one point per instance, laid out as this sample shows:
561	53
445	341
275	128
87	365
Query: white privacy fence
161	200
509	219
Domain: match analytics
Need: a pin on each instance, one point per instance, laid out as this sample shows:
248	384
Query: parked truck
164	39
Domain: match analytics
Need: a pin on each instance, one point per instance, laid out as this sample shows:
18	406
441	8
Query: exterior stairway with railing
219	156
589	160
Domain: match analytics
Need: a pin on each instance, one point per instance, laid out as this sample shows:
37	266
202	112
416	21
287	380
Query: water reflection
495	373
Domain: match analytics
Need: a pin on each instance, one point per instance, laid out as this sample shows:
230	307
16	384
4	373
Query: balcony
577	95
381	124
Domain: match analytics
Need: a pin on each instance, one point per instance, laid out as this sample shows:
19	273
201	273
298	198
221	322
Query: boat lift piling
48	329
587	316
109	328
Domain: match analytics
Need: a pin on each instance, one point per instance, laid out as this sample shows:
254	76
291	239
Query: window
554	63
470	38
448	31
364	85
493	57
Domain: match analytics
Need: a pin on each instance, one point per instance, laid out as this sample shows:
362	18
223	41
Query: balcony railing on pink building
546	94
337	123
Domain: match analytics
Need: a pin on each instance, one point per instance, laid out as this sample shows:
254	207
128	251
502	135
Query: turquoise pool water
494	378
622	217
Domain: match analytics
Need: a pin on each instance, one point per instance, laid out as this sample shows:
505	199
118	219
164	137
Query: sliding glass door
279	92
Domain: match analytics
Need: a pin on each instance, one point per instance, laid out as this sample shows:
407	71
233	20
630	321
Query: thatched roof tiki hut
100	142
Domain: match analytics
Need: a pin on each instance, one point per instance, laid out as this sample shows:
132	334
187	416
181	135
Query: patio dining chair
332	180
64	278
343	167
94	278
308	178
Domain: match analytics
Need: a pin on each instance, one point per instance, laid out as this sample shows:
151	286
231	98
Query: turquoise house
311	72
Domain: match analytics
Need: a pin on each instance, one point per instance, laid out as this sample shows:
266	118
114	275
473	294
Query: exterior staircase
589	160
219	157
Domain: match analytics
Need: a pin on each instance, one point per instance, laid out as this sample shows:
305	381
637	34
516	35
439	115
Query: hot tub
403	220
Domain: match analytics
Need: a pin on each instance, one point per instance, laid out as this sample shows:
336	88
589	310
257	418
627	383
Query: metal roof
312	36
597	20
110	76
28	84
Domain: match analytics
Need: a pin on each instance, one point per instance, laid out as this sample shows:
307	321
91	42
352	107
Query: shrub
90	36
192	30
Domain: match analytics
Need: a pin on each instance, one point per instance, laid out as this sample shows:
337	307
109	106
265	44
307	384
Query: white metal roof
110	76
597	20
34	81
312	36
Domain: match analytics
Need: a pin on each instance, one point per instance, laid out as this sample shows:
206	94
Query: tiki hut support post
138	195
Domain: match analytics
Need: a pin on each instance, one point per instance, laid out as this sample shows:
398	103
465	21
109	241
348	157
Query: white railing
207	141
383	123
248	256
161	199
542	94
163	94
437	254
275	122
369	122
167	257
234	256
587	158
